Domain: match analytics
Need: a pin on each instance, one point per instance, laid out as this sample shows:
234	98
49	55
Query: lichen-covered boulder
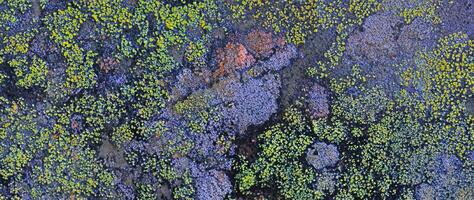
376	42
457	17
321	155
318	101
450	180
214	185
251	102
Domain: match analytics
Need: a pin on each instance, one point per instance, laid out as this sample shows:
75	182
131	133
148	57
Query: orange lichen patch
108	64
74	125
232	57
260	42
281	41
72	196
177	155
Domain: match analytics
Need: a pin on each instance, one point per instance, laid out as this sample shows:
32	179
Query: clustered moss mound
145	99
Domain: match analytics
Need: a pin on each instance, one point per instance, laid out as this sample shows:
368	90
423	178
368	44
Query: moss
19	43
17	127
278	165
111	17
58	102
444	77
425	9
392	135
32	75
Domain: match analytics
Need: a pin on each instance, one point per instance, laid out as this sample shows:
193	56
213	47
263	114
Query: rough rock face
322	155
214	185
326	181
450	181
384	42
457	16
208	183
376	42
277	62
416	36
384	39
187	82
318	101
234	56
252	102
281	58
